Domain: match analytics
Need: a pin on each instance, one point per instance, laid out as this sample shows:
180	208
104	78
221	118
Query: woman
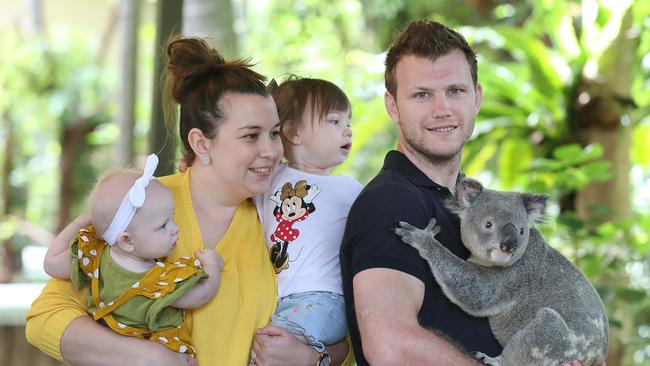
229	128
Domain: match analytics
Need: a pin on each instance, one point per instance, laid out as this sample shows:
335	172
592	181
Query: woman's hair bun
190	59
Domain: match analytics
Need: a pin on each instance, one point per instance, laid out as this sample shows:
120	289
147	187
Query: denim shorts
319	316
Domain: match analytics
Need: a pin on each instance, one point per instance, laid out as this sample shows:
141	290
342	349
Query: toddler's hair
294	94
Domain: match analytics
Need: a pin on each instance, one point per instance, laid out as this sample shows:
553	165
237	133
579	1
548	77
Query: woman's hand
274	345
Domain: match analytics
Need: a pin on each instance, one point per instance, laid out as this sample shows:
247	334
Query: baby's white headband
133	200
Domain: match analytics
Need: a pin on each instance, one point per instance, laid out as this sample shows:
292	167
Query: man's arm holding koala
398	338
398	314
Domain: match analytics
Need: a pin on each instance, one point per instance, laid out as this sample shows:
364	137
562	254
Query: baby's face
153	229
326	143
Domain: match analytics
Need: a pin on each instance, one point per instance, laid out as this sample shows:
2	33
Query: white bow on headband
133	200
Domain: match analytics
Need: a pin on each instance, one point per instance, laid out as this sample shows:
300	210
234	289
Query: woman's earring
205	159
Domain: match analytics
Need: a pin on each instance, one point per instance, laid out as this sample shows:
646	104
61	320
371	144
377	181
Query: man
398	314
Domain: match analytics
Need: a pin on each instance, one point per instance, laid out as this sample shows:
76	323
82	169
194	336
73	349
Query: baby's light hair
107	196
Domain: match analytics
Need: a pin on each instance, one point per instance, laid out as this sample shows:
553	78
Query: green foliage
50	87
526	136
571	168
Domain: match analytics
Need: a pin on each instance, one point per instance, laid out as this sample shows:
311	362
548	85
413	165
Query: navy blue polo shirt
401	192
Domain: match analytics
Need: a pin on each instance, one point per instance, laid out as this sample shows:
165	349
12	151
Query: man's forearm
387	305
414	345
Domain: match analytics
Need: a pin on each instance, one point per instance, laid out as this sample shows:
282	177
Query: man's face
435	106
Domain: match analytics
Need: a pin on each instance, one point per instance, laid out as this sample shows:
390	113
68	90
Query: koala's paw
416	237
432	228
485	359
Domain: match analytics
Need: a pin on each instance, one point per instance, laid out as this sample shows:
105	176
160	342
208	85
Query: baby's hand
205	289
212	265
210	260
83	220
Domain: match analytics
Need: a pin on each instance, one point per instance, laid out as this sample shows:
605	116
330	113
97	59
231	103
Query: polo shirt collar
397	161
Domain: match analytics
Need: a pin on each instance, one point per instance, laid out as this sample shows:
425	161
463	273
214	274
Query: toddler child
132	290
305	210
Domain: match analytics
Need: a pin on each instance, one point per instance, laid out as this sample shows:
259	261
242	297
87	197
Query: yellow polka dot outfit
135	304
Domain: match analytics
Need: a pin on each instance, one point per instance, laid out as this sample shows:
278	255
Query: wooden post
161	141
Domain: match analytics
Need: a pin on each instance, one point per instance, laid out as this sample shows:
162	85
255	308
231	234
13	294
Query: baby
131	289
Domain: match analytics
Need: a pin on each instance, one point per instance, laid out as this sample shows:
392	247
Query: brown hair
425	38
294	94
196	78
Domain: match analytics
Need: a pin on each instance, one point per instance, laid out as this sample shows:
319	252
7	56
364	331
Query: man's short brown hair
425	38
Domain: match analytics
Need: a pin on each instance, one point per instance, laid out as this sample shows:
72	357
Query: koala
541	308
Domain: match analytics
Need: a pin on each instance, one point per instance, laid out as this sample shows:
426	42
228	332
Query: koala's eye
488	224
521	231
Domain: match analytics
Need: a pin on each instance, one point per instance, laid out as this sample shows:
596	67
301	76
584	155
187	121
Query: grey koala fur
540	307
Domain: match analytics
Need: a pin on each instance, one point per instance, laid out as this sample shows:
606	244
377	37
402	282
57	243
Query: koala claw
432	228
403	229
419	239
485	359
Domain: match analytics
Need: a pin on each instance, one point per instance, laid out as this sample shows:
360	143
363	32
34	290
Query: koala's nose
508	238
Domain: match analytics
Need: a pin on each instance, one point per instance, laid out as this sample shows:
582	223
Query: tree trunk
615	193
161	141
72	140
213	19
6	254
129	15
37	23
204	18
482	6
602	118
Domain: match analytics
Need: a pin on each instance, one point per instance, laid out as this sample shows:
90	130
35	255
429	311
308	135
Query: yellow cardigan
223	329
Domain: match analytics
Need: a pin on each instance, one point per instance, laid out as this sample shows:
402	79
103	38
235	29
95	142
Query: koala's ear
467	190
535	205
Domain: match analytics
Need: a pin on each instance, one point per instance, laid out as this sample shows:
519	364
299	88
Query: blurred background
565	112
